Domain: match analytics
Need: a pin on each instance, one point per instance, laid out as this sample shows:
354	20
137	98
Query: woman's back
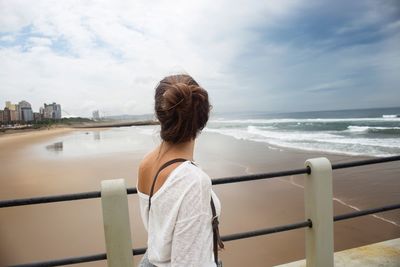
179	221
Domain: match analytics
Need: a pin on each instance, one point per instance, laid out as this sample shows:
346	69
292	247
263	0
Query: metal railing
309	170
217	181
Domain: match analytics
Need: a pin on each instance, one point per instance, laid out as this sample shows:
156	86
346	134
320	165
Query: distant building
6	116
96	115
52	111
37	116
24	104
9	105
1	116
25	111
26	114
15	113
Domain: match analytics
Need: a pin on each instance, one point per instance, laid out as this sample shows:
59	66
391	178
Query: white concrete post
319	208
117	231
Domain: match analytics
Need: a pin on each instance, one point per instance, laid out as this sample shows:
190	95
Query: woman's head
182	107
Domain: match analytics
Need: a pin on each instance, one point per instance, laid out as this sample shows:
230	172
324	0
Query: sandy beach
68	229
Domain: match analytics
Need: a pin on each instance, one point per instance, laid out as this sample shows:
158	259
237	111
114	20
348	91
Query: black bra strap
166	164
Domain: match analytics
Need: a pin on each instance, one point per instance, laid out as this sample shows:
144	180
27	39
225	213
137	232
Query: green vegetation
49	122
65	121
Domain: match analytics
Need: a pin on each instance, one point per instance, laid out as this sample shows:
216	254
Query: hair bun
199	95
182	108
178	96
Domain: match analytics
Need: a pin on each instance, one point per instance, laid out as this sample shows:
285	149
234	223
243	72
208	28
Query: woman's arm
189	243
192	236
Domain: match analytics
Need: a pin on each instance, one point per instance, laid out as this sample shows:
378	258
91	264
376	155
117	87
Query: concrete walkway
385	254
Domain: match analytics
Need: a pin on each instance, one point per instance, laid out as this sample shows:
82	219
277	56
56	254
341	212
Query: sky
272	56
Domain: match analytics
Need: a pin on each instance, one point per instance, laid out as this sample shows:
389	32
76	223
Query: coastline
26	136
115	124
93	125
8	132
245	206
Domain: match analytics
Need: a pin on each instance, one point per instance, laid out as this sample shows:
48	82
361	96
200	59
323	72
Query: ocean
367	132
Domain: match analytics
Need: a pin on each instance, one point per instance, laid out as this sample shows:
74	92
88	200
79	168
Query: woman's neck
184	150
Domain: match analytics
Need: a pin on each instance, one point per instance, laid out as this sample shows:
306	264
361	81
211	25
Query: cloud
261	55
304	51
330	86
39	41
7	38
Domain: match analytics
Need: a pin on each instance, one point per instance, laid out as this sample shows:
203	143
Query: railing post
319	208
117	231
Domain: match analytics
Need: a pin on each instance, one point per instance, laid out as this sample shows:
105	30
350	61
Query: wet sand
69	229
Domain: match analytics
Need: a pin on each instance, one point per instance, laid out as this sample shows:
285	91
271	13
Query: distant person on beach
178	207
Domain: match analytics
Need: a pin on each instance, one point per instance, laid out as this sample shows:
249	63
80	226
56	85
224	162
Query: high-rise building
15	113
6	115
24	104
25	111
48	111
10	105
26	114
57	111
1	116
52	111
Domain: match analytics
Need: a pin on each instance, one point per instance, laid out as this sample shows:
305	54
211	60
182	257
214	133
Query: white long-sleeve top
179	224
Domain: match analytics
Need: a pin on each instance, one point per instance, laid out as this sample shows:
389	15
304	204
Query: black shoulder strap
165	165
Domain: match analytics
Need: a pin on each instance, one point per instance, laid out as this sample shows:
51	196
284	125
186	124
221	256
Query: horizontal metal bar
75	260
231	237
252	177
225	180
140	251
364	162
56	198
67	261
133	190
365	212
267	231
48	199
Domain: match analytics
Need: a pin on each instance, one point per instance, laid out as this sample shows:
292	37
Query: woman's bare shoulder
145	169
145	161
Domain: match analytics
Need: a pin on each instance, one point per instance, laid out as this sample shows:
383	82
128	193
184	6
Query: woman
177	203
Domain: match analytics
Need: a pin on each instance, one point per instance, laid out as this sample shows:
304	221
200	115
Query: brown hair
182	107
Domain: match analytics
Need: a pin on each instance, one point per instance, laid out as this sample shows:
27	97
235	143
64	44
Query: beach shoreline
24	137
9	132
82	126
245	206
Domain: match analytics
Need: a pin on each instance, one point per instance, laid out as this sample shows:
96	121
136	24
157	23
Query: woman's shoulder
191	173
148	162
145	169
185	176
144	164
